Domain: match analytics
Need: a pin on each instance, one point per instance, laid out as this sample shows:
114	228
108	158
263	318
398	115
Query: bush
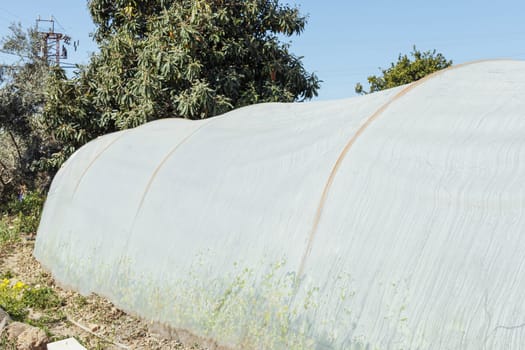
17	298
11	299
28	209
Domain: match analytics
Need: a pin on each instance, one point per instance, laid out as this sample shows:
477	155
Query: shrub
41	298
11	299
28	209
17	298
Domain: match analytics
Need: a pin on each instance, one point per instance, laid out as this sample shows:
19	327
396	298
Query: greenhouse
393	220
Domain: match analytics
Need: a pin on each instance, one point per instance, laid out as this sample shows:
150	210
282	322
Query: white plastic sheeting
391	221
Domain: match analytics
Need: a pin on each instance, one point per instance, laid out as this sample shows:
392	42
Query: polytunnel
393	220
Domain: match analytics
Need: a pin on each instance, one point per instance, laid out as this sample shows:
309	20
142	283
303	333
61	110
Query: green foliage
259	310
21	99
20	215
80	300
11	299
7	274
27	210
166	58
405	70
17	298
41	298
30	203
8	232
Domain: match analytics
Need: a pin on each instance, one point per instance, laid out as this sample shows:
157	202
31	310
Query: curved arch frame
348	146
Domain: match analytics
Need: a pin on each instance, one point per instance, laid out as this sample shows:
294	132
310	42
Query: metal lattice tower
52	50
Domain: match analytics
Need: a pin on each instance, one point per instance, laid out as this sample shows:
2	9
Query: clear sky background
344	41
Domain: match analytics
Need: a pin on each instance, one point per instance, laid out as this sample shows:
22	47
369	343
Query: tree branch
16	145
3	165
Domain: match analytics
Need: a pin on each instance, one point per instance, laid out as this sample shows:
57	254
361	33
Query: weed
27	210
8	274
17	298
41	298
47	320
80	301
251	309
11	299
8	231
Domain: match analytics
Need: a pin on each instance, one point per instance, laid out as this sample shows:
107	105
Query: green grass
42	298
17	298
27	211
8	231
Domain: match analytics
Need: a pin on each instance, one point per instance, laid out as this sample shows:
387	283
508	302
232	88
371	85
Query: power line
52	44
53	51
68	65
13	54
57	22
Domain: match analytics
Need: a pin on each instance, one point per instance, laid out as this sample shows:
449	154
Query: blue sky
344	41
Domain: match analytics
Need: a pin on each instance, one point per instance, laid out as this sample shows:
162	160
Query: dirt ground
92	320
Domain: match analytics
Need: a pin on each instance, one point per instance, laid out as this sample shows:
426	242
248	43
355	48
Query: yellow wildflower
128	10
19	285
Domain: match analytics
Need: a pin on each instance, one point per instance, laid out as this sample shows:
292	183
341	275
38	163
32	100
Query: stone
5	319
15	329
27	337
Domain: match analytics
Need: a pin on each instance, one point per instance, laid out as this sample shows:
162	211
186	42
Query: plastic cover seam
161	164
95	159
348	146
